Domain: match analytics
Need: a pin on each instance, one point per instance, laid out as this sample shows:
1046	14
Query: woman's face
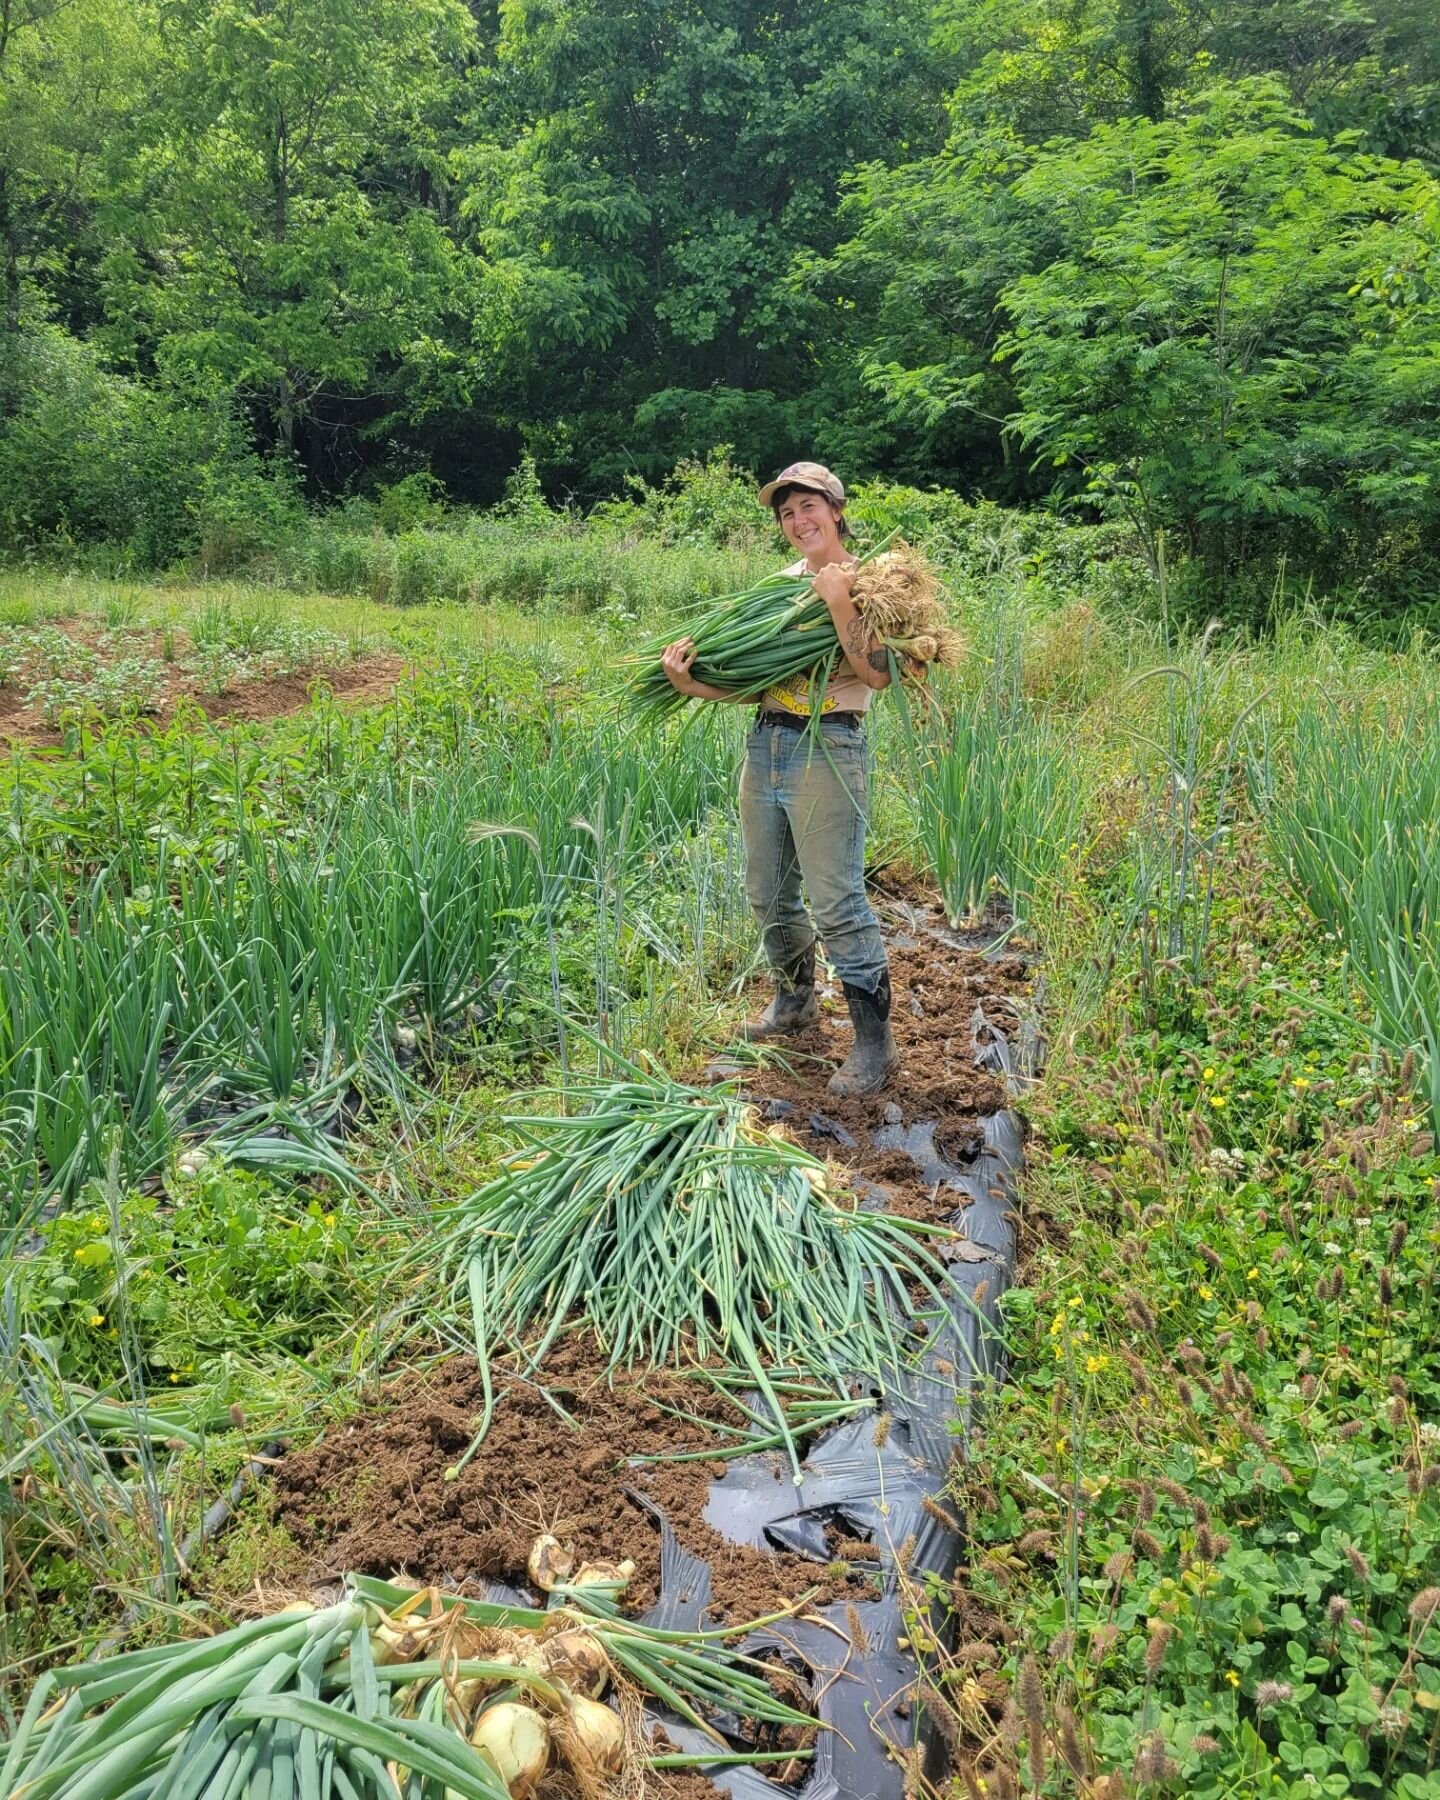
811	524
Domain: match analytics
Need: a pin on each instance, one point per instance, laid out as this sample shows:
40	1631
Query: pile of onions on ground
387	1694
779	632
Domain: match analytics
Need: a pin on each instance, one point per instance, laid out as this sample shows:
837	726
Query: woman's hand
834	583
676	663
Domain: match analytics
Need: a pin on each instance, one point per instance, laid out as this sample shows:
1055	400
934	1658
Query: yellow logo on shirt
797	700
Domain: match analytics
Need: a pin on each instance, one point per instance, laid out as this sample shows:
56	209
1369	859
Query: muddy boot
869	1064
794	1005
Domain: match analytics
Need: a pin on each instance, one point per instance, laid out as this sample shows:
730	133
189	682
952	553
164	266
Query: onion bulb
550	1562
392	1644
603	1574
578	1660
517	1741
593	1737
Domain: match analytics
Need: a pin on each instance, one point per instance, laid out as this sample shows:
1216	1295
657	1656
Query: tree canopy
1141	258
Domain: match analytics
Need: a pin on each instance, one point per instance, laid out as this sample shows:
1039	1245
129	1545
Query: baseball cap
811	475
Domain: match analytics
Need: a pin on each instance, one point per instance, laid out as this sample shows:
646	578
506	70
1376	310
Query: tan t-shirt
844	692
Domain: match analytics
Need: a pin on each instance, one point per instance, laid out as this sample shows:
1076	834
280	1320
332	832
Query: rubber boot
869	1064
794	1005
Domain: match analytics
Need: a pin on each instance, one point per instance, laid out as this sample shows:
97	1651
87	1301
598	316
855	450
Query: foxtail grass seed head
1151	1762
880	1436
1070	1747
942	1716
1146	1545
1139	1314
932	1508
1423	1607
859	1637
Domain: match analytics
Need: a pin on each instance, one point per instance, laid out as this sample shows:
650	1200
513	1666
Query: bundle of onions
780	632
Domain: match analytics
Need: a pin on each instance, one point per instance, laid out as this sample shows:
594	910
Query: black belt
798	721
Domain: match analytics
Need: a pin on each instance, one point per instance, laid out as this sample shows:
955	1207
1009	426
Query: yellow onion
517	1741
550	1562
592	1737
603	1574
393	1644
577	1659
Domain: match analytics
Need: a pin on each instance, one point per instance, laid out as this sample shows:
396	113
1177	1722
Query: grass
1203	1516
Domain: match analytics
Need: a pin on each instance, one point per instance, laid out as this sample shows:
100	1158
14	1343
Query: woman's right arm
676	663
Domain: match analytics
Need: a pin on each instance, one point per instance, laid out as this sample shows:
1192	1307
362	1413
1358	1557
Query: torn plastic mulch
880	1483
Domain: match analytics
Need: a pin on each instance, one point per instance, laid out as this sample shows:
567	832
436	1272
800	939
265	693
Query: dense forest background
1161	262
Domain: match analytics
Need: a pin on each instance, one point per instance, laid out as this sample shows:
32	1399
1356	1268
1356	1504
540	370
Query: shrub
90	457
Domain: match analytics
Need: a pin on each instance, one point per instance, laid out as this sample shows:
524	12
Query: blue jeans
802	819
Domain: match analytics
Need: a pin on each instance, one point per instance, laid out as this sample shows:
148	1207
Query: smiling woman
803	815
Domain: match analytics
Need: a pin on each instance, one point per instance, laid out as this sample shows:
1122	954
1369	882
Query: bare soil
372	1496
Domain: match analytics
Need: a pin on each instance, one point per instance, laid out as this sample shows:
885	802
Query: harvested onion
592	1737
550	1562
517	1741
603	1574
577	1659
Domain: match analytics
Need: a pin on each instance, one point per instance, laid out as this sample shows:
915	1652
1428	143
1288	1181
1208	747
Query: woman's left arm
868	659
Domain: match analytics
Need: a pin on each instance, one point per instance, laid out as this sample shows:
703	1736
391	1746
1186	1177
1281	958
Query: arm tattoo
860	641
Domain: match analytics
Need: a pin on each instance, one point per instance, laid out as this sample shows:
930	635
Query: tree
1210	349
256	252
659	165
69	73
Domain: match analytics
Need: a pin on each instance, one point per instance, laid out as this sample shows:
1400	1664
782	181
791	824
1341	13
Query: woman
803	810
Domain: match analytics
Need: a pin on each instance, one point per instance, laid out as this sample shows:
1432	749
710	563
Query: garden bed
81	667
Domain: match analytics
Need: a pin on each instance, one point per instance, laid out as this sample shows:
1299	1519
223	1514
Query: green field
278	994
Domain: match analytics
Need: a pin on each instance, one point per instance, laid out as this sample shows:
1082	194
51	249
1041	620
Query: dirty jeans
803	820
